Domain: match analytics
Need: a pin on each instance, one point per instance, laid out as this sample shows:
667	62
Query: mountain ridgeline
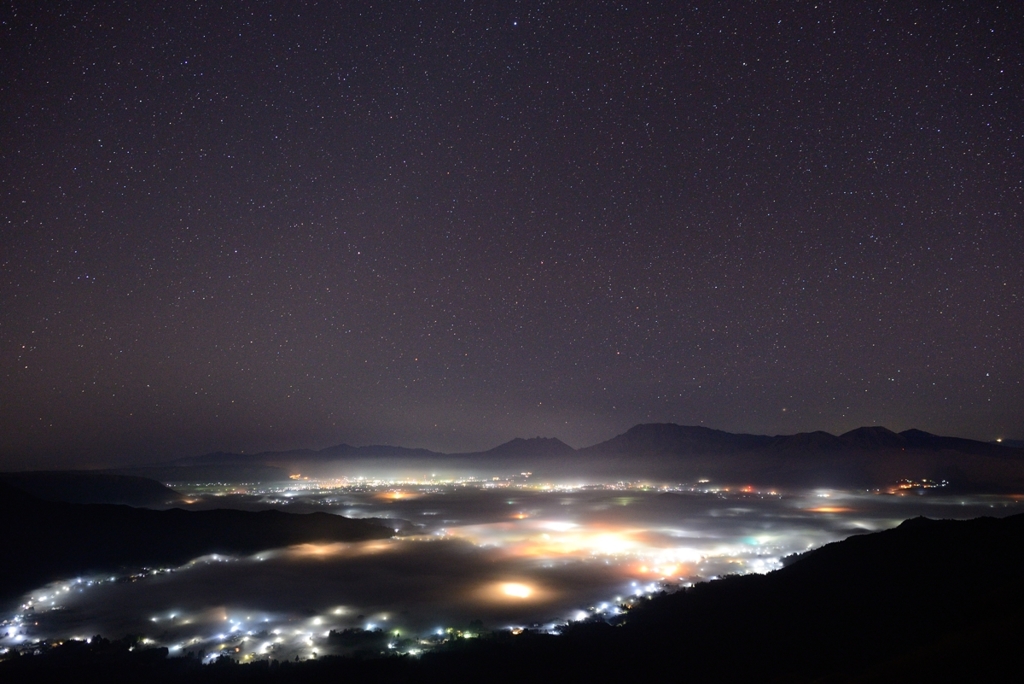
868	457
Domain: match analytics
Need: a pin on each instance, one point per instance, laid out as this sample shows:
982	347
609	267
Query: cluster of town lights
648	561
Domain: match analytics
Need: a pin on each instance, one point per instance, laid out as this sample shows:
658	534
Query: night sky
273	225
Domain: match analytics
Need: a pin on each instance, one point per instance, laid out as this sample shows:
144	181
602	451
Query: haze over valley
529	535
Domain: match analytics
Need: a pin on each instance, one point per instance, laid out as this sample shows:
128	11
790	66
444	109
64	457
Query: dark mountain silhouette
646	439
865	604
535	446
873	438
52	540
867	457
84	486
804	443
927	601
668	438
918	439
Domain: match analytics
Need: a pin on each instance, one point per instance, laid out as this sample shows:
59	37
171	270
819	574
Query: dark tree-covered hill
90	486
44	541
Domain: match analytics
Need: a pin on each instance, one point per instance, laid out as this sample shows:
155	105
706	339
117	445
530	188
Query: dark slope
668	438
535	446
875	437
868	457
865	608
919	439
804	443
671	439
86	486
854	603
46	541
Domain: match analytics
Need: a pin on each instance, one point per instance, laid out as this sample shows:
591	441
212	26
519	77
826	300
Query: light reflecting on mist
469	556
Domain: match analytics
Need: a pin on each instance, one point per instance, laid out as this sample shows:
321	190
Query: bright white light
516	590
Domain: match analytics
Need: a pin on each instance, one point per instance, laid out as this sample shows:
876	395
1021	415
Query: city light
516	590
508	551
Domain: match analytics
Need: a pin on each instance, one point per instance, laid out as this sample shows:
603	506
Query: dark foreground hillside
44	541
928	601
86	486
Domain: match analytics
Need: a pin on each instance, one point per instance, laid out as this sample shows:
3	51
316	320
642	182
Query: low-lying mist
468	555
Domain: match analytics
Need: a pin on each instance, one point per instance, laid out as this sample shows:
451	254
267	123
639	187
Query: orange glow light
516	590
396	495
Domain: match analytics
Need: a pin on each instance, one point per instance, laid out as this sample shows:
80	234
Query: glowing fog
467	556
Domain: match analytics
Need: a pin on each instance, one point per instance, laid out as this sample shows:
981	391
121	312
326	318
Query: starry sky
271	225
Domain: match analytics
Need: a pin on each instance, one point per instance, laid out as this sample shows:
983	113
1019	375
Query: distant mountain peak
870	430
669	438
874	437
533	446
914	433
